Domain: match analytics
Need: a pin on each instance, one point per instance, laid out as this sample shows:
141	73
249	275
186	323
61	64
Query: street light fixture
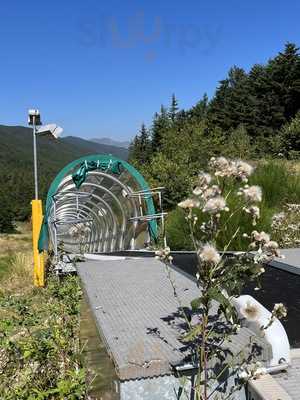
51	129
34	119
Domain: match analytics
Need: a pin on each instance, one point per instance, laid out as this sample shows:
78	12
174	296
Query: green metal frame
43	239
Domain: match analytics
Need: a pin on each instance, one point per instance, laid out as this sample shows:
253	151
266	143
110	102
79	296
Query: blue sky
102	68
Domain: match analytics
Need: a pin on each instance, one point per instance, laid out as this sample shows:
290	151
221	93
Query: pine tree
238	144
199	111
290	138
173	108
133	150
6	214
160	126
230	106
284	71
140	147
144	144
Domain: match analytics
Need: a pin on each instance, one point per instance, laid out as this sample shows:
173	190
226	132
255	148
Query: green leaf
194	332
195	304
27	353
226	307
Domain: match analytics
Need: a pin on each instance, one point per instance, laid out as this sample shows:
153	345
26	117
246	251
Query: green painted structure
108	163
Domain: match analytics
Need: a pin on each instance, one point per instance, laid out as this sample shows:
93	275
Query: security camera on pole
34	119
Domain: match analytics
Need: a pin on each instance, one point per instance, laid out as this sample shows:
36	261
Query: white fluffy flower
164	254
261	236
212	191
243	170
209	254
197	191
254	211
252	371
259	372
204	179
251	311
278	218
252	193
189	203
279	310
215	205
272	245
244	375
223	167
226	168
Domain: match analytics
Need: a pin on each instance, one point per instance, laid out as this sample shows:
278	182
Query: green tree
238	144
145	145
160	125
140	147
263	100
230	106
290	138
185	147
6	215
284	71
199	111
173	108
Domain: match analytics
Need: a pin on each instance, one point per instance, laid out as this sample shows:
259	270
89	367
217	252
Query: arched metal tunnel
97	204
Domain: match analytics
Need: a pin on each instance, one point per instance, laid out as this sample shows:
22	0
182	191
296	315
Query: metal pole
35	161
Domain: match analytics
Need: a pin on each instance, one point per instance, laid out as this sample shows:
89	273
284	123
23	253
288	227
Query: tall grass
18	272
16	264
280	183
40	356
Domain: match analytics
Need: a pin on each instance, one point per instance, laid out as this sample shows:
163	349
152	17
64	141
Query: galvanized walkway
137	315
289	380
284	385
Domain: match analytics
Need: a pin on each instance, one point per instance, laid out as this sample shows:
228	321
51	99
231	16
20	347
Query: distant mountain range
93	147
110	142
16	144
16	160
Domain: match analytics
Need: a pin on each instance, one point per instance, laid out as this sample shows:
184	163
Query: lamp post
52	130
34	119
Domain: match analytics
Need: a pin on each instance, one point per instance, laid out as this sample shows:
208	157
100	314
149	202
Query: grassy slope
40	356
280	183
12	245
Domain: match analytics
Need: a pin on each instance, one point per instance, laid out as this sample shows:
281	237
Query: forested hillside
16	160
252	115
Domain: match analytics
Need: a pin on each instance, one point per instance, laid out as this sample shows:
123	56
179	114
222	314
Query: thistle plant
80	233
286	226
221	276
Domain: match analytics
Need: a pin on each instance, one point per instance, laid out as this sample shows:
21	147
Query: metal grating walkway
289	380
134	307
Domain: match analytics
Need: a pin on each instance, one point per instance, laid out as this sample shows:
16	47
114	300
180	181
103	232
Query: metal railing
110	213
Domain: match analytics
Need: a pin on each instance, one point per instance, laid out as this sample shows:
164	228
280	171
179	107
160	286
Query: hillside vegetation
40	354
16	160
254	116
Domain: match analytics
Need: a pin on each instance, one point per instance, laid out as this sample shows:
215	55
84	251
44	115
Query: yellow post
38	258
